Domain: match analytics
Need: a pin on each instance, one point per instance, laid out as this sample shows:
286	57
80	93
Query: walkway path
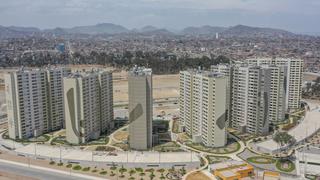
33	170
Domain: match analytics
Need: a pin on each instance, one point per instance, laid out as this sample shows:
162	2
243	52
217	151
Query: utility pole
92	156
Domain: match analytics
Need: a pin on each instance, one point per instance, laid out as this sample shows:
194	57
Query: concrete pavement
41	172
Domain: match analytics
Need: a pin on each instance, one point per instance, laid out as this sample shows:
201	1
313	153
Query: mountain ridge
111	29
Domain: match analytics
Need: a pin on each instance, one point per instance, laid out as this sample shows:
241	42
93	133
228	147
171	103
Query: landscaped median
270	163
261	160
285	165
41	139
231	147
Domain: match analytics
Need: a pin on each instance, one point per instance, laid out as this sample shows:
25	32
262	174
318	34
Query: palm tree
122	170
283	139
131	172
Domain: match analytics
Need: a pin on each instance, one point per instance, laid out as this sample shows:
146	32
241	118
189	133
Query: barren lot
164	86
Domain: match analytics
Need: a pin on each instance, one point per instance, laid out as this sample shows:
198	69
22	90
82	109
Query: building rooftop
140	71
81	74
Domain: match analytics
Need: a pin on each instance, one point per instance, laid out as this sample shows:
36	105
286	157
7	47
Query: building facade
35	101
55	94
88	105
294	78
227	71
203	106
140	108
251	99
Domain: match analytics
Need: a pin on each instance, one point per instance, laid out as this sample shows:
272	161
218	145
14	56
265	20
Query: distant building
61	47
203	106
140	108
34	101
88	105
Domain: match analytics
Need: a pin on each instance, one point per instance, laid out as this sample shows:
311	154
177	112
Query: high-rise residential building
88	105
203	106
27	103
35	101
251	99
278	94
140	108
55	95
294	78
227	71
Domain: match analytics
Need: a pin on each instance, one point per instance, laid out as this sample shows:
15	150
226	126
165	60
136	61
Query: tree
283	139
122	170
131	172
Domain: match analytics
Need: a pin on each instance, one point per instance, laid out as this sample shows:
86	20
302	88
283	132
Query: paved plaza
308	126
128	159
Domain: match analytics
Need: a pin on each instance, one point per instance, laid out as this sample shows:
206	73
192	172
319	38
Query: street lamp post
60	154
35	150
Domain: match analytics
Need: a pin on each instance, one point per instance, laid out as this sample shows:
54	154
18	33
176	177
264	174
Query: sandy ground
197	176
164	86
309	77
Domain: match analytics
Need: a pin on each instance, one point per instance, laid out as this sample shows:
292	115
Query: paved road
35	173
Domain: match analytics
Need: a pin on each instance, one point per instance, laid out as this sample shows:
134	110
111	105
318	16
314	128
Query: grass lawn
285	165
41	139
168	147
261	160
231	147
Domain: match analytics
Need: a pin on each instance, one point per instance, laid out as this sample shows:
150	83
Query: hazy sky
294	15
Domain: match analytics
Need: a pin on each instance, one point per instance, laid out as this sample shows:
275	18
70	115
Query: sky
293	15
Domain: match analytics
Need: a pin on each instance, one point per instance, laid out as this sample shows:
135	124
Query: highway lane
35	173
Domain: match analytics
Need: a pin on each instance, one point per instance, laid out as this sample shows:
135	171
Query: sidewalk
52	170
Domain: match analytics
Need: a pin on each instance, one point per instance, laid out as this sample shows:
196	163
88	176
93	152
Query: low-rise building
232	170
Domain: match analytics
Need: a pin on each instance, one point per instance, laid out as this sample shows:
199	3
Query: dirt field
307	77
197	176
121	135
164	86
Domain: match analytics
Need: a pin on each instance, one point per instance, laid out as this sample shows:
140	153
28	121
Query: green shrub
77	167
52	162
103	172
60	164
86	169
69	166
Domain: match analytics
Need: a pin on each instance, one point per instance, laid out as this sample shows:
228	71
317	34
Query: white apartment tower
35	101
27	103
140	108
88	105
294	78
251	99
203	106
227	71
56	101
